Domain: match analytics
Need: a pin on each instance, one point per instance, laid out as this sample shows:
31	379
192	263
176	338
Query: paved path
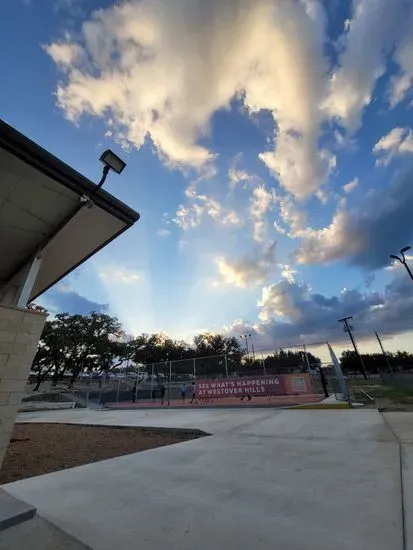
266	479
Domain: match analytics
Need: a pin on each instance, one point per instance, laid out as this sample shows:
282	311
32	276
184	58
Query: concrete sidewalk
265	479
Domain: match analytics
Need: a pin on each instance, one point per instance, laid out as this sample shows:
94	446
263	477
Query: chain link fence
169	381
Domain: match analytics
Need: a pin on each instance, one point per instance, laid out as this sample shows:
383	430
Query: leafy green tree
76	343
51	353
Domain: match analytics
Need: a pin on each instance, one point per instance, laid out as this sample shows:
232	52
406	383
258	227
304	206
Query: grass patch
384	396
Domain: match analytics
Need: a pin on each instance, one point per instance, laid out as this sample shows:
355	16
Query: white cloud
237	177
201	205
367	233
250	270
163	232
64	54
402	82
398	141
292	218
282	299
292	313
261	202
119	275
328	243
351	185
235	48
288	273
368	35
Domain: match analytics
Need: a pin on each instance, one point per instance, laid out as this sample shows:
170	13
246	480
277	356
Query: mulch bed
37	449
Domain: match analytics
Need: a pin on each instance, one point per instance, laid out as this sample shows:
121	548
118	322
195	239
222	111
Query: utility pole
383	351
347	328
245	337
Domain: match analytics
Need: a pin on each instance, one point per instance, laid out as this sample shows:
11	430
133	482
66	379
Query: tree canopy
96	343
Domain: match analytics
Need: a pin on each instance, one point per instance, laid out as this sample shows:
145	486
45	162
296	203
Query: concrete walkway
266	479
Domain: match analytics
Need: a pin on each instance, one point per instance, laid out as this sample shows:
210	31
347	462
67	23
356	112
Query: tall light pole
383	351
245	337
402	260
347	328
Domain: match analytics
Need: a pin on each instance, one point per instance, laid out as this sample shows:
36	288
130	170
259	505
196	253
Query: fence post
226	365
265	376
137	385
117	394
169	388
152	384
306	359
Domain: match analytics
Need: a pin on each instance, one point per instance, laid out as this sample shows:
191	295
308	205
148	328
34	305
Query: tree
76	343
51	353
376	362
92	340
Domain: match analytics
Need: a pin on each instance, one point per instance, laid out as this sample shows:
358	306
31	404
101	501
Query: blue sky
268	148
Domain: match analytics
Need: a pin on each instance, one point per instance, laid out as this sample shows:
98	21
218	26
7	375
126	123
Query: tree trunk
41	377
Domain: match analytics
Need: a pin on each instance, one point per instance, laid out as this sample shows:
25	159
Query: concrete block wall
20	331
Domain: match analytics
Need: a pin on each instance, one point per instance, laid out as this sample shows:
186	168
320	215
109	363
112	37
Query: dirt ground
37	449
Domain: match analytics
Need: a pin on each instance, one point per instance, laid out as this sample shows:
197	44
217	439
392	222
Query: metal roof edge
28	151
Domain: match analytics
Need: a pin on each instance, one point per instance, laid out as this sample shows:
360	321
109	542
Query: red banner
237	387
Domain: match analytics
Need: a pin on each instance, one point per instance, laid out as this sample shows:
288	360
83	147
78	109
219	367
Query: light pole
347	328
402	260
245	337
111	162
383	351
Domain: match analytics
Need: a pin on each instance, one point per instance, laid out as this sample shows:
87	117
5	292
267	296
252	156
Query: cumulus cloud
159	69
113	274
201	206
368	37
398	141
292	314
366	234
350	186
250	270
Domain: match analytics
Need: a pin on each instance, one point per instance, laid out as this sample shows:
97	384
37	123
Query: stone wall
20	331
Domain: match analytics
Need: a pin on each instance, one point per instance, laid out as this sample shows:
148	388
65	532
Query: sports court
270	401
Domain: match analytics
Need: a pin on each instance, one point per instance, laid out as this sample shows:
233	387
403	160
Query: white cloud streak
398	141
112	274
350	186
262	201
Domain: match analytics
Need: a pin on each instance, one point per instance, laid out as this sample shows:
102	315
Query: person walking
184	389
134	389
162	391
194	394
